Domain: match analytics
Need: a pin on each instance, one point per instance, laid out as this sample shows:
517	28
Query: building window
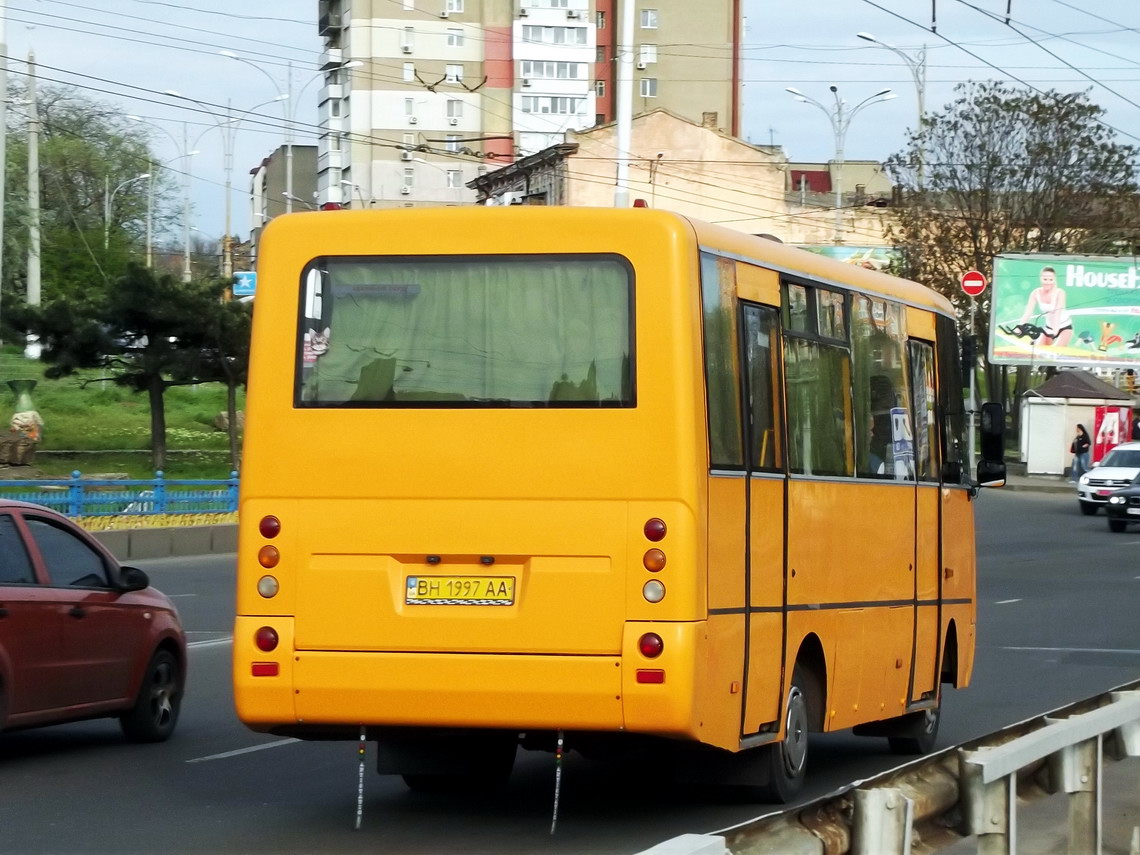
649	19
601	20
409	5
454	37
547	104
452	144
649	87
409	107
648	53
600	88
453	73
600	54
334	142
408	38
554	70
409	72
454	178
409	177
554	35
599	118
409	141
454	109
334	108
454	5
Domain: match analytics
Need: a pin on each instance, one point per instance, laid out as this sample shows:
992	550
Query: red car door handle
78	612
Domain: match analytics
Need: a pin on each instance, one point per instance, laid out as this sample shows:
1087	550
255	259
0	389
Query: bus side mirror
991	467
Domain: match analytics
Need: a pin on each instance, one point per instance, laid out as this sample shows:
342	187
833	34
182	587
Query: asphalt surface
1057	595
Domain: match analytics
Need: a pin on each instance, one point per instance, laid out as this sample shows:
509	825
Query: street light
228	128
917	66
345	182
840	118
288	109
108	198
159	166
183	150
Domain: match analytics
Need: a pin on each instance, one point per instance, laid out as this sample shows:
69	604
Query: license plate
460	591
1105	492
1134	511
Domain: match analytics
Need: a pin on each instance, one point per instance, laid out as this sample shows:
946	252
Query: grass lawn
108	426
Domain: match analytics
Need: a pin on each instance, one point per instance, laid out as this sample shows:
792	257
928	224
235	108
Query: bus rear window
496	331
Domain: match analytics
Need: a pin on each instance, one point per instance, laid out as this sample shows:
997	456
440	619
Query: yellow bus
614	475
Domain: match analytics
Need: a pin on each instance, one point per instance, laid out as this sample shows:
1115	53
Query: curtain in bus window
925	421
884	436
722	362
818	379
471	331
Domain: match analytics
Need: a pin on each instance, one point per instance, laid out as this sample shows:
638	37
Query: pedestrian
1136	426
1079	448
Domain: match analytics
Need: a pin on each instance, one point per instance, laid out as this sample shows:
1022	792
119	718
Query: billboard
873	257
1065	310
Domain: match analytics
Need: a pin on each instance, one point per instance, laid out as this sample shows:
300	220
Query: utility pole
32	351
289	137
186	274
228	157
624	102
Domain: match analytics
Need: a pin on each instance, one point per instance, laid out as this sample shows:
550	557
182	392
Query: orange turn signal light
268	556
654	560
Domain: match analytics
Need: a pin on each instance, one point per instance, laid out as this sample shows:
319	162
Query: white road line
1007	602
176	596
249	750
1074	650
211	642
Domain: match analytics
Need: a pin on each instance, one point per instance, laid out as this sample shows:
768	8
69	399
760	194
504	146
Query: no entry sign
973	283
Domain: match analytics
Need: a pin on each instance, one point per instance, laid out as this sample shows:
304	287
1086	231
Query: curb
133	544
1066	489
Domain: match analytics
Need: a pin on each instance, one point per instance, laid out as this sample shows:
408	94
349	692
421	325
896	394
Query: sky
130	52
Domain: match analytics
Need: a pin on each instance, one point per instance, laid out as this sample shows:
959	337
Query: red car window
15	566
70	562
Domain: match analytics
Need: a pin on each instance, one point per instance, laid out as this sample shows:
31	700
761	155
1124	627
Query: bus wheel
787	760
917	732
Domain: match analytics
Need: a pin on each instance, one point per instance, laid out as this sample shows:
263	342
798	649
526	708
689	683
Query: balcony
330	160
329	23
332	58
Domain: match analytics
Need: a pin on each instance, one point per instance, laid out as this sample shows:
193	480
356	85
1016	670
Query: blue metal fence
97	497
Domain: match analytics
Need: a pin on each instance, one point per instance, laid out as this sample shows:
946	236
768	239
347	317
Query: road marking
1007	602
176	596
239	751
211	642
1073	650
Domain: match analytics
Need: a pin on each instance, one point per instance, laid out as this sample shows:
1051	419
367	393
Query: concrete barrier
139	543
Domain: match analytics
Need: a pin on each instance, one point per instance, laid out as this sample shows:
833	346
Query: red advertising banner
1110	429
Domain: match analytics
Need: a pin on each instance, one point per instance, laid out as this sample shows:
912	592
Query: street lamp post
108	199
183	149
840	118
289	110
917	66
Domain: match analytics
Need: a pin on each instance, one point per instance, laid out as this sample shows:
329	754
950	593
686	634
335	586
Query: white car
1118	469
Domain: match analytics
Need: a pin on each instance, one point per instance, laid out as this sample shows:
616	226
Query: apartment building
442	91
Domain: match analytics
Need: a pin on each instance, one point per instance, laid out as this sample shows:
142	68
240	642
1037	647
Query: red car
80	635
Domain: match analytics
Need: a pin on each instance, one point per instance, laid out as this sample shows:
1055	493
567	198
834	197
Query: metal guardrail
967	791
102	497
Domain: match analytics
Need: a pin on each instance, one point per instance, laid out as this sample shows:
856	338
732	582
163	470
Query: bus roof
547	227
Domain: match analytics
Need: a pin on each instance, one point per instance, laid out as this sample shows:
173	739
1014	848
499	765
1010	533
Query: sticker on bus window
315	344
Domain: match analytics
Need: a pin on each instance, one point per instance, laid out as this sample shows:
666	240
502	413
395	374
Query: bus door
927	578
765	627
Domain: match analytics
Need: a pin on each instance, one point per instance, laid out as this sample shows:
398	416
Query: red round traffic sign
973	283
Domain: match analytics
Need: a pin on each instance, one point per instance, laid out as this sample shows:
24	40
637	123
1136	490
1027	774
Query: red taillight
650	645
265	669
655	530
648	675
268	556
266	639
269	527
654	560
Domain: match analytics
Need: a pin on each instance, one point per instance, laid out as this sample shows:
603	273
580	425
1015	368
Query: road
1057	594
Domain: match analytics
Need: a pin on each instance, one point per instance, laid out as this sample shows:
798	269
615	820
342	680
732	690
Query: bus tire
917	732
786	761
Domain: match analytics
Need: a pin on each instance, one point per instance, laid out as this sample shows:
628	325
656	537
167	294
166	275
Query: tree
1002	169
226	354
146	331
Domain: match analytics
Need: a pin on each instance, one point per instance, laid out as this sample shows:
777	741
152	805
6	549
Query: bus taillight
269	527
266	639
653	591
655	530
650	645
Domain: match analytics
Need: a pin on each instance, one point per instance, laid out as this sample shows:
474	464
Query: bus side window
884	438
761	333
951	403
722	362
